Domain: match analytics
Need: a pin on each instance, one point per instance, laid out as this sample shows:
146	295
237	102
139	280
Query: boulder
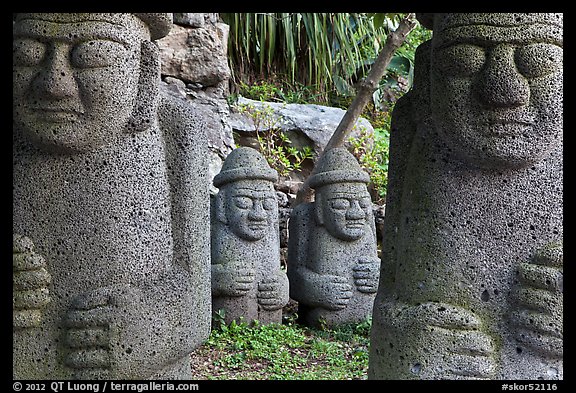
305	124
196	55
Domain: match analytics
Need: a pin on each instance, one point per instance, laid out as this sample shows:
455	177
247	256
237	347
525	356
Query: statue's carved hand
366	274
243	280
232	280
539	302
441	341
337	292
273	292
90	322
30	281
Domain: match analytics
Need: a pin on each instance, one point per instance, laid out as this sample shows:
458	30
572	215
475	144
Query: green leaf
400	64
342	86
379	20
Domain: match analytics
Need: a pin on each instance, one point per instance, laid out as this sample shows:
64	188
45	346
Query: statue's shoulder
174	112
182	122
302	212
301	224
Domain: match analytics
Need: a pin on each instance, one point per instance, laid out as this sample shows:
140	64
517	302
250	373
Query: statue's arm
307	286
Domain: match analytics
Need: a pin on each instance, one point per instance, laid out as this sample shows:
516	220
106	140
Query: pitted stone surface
472	277
196	55
111	209
247	281
333	266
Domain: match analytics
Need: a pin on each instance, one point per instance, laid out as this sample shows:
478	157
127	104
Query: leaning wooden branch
365	91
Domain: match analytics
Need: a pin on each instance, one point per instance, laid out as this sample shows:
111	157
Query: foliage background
318	58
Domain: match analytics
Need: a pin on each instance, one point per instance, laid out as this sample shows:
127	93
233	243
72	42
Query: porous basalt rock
333	264
247	281
110	204
471	280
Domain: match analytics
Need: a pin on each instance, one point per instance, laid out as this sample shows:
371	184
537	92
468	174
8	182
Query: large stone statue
333	265
472	277
111	204
247	282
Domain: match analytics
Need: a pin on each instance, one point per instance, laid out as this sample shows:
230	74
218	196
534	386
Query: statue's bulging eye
27	52
365	203
460	59
540	59
269	203
339	203
243	202
98	54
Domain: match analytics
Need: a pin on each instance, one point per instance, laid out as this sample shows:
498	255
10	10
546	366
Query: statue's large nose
355	212
501	85
56	78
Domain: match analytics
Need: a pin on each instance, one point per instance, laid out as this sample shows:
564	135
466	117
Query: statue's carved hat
338	165
244	163
441	21
159	24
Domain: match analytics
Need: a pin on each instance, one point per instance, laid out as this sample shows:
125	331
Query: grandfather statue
111	274
247	281
333	264
472	262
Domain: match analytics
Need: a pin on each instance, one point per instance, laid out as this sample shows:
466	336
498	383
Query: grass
283	352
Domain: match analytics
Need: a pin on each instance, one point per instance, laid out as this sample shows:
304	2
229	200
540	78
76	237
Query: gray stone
189	19
211	17
247	282
305	124
196	20
471	281
333	265
216	113
179	85
110	204
196	55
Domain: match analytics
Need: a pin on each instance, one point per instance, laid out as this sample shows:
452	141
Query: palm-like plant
325	50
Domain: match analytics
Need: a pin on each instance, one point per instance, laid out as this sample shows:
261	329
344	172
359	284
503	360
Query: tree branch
363	96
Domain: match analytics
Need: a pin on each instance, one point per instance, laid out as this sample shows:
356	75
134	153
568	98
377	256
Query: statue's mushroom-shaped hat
443	21
244	163
338	165
158	23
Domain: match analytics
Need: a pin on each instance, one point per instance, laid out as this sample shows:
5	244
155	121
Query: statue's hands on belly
113	332
538	302
30	293
273	292
440	339
232	279
366	274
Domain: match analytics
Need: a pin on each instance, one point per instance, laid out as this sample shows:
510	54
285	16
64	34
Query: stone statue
472	277
333	264
111	206
247	281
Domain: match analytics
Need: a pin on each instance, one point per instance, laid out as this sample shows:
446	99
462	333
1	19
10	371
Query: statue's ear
145	109
318	215
421	84
220	206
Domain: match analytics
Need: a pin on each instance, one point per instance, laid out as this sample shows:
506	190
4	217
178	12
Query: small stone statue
333	265
472	277
111	274
247	281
